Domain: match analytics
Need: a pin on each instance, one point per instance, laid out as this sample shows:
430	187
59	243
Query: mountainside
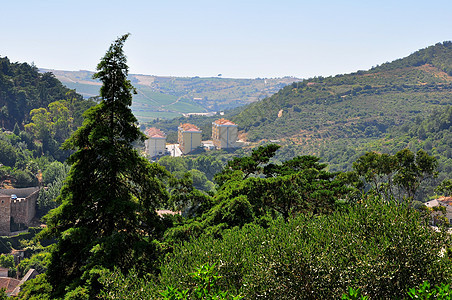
169	97
37	114
358	105
403	104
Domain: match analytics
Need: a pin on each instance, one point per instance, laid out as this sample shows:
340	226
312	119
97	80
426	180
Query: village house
156	143
440	208
224	134
12	285
189	137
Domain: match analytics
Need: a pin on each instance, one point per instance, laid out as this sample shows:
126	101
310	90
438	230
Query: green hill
403	104
23	88
37	114
169	97
359	105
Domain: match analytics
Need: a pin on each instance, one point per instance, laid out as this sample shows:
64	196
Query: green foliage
24	89
395	176
53	176
382	247
24	154
19	241
205	287
24	178
38	261
107	217
251	189
38	288
8	155
445	188
354	294
425	291
186	198
437	55
3	295
203	283
208	165
130	285
248	165
54	124
7	261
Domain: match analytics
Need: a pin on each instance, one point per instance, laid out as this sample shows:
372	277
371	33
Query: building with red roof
189	137
224	134
156	142
9	284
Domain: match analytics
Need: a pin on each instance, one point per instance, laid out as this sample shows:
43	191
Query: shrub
382	248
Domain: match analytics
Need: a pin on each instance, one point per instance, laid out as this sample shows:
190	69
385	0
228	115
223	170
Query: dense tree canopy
396	176
251	189
23	88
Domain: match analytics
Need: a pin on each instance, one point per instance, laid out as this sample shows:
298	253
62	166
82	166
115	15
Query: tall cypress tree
107	217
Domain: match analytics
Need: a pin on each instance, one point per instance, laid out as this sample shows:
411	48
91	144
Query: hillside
340	118
37	114
23	88
358	105
169	97
403	104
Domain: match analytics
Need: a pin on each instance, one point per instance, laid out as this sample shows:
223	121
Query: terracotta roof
224	122
154	132
32	273
439	201
445	200
189	127
9	284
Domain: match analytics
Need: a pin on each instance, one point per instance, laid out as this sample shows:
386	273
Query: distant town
224	136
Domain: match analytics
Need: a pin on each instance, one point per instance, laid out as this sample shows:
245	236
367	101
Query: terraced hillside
169	97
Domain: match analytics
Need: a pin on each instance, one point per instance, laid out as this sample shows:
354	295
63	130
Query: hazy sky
237	38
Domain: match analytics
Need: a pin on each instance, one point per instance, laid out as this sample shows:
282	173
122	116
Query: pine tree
107	217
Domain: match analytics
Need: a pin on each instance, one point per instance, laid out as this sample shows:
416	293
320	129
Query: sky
235	38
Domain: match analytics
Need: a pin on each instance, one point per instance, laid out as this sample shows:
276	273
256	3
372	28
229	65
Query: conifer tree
107	217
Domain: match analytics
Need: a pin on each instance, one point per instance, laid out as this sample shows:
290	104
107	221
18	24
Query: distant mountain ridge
169	97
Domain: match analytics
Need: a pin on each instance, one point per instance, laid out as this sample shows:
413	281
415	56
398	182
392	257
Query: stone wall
5	214
22	209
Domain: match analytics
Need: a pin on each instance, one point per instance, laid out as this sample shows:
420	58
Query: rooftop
189	127
224	122
445	200
154	132
439	201
9	284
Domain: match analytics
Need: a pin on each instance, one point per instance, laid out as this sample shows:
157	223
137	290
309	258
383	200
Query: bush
426	291
25	179
382	248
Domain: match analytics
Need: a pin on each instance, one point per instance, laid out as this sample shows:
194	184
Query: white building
156	142
189	137
446	203
224	134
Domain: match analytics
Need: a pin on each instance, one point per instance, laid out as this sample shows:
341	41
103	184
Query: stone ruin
18	209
